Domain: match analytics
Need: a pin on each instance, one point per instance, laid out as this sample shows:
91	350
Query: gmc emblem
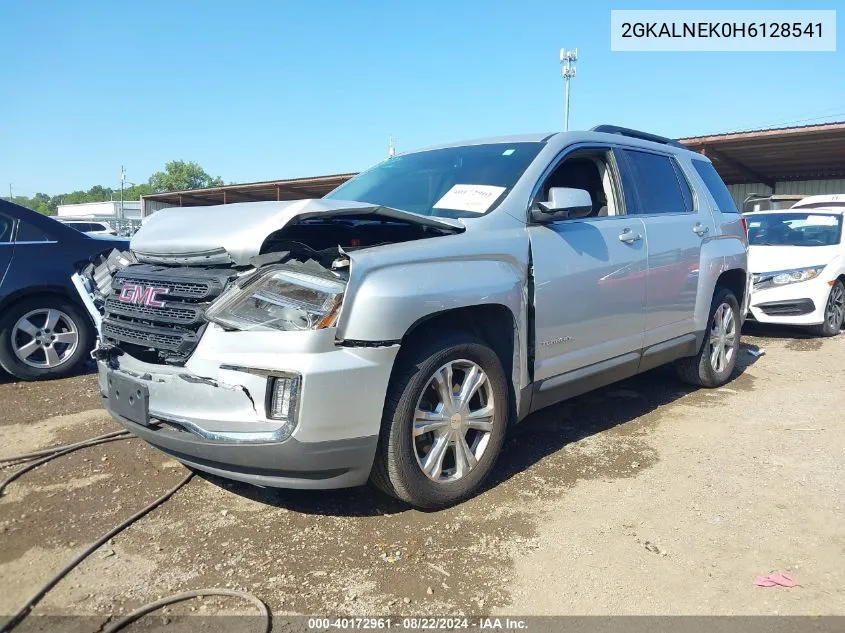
142	295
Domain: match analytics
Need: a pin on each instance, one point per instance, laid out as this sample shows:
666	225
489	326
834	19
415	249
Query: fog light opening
283	398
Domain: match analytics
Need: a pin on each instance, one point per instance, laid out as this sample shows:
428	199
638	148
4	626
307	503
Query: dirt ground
646	497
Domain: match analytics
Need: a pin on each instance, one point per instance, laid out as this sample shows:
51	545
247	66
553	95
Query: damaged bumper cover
212	413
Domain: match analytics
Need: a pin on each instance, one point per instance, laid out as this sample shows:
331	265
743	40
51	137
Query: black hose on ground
24	611
197	593
36	598
51	451
57	452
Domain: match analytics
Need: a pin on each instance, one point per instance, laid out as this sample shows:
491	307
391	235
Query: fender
719	254
393	287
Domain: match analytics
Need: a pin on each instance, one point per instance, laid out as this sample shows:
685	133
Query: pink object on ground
772	580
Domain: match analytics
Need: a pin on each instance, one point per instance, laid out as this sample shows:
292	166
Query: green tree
179	175
135	192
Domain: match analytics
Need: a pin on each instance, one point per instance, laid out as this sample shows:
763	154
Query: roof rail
645	136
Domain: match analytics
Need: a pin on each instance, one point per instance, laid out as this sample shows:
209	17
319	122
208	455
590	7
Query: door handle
699	229
629	237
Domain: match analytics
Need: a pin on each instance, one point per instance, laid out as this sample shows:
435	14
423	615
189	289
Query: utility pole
122	178
10	192
391	148
567	60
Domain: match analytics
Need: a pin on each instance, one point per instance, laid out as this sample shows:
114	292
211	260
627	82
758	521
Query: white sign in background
723	30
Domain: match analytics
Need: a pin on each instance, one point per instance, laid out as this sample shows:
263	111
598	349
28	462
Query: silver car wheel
835	307
722	338
453	421
45	338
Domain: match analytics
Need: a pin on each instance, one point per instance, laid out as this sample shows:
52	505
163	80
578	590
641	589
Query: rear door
676	224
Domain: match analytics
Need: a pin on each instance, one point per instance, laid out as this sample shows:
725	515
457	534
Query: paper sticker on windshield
472	198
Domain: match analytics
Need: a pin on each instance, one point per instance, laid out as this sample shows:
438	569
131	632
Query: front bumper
802	303
211	413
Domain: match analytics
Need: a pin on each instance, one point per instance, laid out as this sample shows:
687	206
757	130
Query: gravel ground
646	497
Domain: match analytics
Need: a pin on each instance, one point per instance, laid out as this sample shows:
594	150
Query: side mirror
563	203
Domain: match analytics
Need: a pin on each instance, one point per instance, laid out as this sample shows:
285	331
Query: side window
6	226
657	183
724	201
589	170
30	233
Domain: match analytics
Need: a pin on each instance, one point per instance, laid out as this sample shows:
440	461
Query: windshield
794	229
454	182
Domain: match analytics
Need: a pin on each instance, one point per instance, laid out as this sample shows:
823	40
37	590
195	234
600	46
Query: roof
806	152
292	189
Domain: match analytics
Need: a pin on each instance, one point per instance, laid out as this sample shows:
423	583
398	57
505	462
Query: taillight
744	225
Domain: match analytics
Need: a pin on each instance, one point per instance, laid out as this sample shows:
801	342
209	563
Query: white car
91	227
797	260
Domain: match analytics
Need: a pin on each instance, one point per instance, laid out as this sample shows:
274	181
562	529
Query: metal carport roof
806	152
292	189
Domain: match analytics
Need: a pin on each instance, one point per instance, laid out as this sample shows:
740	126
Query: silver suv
393	330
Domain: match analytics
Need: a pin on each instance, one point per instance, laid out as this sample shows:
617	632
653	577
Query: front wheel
833	313
444	422
715	361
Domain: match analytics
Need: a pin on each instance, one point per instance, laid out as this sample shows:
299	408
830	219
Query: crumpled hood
234	233
769	259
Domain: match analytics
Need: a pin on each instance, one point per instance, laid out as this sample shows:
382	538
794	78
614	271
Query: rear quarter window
724	201
30	233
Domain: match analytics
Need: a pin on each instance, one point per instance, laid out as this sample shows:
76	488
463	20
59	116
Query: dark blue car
44	329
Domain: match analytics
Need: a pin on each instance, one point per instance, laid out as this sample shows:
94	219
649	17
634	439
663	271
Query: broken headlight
280	298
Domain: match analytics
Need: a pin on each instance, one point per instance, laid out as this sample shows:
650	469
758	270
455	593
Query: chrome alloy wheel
835	307
44	338
723	338
453	421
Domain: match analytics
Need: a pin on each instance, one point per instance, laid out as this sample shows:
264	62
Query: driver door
589	290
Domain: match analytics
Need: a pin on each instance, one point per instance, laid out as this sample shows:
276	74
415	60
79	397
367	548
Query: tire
25	323
398	468
833	312
703	369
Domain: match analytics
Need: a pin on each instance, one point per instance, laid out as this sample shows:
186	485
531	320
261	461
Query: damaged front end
216	339
245	267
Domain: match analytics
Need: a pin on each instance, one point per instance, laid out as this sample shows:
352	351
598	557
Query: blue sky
261	90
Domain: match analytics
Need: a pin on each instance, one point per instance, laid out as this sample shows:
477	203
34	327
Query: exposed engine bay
155	306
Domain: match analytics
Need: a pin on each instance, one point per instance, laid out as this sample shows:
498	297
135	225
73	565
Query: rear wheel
834	312
444	422
715	361
43	337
